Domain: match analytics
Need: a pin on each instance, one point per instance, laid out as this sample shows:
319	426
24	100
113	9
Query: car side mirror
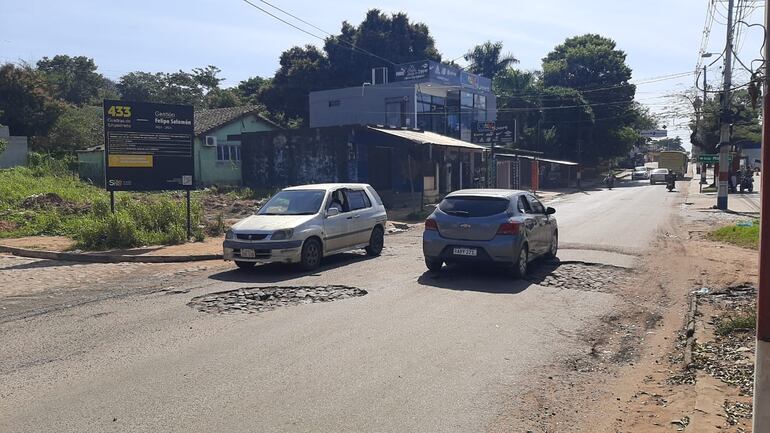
332	211
550	211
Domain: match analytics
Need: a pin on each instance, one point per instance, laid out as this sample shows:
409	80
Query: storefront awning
553	161
425	137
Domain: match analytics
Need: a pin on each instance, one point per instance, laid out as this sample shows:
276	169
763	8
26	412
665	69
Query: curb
105	258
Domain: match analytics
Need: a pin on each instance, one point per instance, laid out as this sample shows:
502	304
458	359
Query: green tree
592	65
72	79
302	70
222	98
673	143
26	105
172	88
378	40
76	128
252	89
488	59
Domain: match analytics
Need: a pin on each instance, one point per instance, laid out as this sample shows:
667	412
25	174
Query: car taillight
509	228
430	224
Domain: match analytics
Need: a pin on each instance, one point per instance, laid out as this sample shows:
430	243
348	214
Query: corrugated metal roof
425	137
554	161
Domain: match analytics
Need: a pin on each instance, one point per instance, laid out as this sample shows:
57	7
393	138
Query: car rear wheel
376	242
310	257
244	265
522	263
433	265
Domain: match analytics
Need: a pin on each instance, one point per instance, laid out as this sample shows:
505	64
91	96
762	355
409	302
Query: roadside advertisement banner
147	146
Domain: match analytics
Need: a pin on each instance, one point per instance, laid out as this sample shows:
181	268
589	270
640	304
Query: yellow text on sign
119	111
134	161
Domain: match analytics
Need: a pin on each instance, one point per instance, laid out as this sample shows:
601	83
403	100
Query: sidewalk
746	204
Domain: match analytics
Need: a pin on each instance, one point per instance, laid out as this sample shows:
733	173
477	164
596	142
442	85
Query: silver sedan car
504	227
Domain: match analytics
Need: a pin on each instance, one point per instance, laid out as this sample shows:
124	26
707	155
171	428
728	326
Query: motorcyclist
671	178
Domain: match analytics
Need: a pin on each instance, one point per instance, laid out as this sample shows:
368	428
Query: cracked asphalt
117	348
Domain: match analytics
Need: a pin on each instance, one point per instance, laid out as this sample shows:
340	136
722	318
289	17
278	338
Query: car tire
310	257
244	265
522	262
554	248
376	242
434	265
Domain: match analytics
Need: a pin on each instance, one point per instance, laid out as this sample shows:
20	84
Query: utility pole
724	136
702	135
762	363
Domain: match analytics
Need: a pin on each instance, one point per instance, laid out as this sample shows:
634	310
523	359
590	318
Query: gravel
575	276
261	299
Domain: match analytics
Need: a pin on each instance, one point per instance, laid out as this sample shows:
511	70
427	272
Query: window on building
228	152
335	103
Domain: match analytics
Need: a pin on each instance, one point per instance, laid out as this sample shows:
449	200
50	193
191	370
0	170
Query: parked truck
675	161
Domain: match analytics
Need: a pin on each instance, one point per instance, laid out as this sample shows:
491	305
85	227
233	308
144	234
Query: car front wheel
554	246
310	257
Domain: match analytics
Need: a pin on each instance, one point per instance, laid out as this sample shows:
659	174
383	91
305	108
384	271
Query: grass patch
746	237
48	199
728	325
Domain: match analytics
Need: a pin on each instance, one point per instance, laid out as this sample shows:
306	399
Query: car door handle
356	216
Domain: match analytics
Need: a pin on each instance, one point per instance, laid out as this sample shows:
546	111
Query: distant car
505	227
640	173
303	224
658	175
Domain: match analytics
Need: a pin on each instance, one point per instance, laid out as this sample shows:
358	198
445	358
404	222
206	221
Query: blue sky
661	37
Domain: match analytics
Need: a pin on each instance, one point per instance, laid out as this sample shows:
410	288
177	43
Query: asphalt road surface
417	353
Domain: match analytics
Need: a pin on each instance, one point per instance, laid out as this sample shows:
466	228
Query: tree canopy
488	59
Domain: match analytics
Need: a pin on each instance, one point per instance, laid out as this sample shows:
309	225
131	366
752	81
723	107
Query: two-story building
424	95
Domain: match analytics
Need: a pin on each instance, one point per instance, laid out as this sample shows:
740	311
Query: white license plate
465	252
247	254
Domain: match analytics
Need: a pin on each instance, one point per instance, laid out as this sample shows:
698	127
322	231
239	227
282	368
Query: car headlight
229	234
281	235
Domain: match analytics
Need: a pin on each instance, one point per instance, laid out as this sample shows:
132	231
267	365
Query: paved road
417	353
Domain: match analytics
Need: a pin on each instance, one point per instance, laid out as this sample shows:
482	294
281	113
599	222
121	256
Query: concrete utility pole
724	136
702	135
762	365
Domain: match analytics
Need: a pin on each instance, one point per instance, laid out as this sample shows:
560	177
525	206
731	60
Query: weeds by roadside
742	236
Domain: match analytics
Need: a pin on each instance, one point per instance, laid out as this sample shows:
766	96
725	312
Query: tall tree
488	59
72	79
76	128
26	106
303	70
173	88
592	65
379	40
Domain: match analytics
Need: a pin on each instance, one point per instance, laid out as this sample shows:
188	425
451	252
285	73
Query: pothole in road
577	276
261	299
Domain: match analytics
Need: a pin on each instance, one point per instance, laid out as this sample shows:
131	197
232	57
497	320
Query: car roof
499	193
327	186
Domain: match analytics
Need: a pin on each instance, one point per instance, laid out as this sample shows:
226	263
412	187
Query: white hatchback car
302	224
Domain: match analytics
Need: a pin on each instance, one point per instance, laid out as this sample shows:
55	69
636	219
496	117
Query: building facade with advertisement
424	95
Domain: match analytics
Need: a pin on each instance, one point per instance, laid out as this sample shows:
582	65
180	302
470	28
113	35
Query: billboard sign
147	146
412	71
475	82
444	74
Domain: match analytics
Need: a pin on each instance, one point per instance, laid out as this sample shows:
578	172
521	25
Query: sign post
148	147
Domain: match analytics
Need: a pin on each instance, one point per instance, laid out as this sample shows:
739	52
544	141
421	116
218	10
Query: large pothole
260	299
579	276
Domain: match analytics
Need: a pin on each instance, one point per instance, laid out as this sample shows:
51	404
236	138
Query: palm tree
488	59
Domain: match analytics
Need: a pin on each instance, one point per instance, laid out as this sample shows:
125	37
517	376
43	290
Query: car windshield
297	202
660	171
468	206
641	169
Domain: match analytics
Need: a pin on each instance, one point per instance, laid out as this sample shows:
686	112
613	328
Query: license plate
465	252
247	254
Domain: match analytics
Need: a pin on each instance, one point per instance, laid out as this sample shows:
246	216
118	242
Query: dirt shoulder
632	376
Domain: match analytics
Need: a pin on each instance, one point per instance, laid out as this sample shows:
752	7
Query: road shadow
41	263
482	278
278	272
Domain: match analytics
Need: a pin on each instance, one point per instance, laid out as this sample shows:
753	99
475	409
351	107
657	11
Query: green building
217	159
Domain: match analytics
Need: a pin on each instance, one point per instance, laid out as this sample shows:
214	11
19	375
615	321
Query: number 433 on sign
119	111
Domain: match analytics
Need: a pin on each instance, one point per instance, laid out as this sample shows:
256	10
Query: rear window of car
473	206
